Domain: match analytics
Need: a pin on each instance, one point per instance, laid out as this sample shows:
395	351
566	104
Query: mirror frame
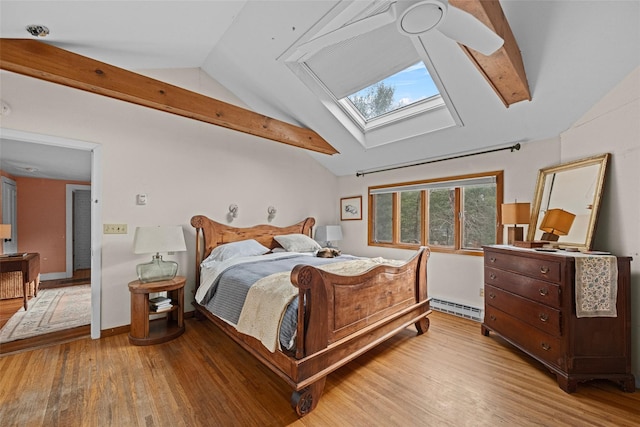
601	160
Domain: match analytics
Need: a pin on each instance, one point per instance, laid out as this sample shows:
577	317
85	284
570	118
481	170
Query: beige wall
188	168
185	168
612	125
520	172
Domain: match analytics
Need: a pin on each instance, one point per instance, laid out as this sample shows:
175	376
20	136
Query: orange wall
42	220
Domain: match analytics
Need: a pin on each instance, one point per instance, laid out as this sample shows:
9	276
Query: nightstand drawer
538	315
538	268
535	342
544	292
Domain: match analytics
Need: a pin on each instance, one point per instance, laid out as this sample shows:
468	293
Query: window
359	65
456	214
402	89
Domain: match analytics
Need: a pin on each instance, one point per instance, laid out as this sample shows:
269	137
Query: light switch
114	228
141	199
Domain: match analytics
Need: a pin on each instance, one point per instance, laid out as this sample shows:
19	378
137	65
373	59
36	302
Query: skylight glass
402	89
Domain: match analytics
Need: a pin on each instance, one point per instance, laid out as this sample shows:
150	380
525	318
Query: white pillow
297	243
240	248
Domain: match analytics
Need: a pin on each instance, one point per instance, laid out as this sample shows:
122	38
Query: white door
9	214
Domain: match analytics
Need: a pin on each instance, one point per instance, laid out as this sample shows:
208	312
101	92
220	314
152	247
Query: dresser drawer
541	316
538	268
544	292
535	342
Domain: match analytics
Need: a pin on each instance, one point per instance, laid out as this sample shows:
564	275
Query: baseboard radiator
456	309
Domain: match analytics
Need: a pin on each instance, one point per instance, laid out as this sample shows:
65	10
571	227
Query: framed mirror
569	193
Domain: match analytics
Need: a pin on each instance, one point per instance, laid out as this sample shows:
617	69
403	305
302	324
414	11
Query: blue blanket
228	292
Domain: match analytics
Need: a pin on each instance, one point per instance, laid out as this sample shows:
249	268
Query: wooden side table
29	265
144	332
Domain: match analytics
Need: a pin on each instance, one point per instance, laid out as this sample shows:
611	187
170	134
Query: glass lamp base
157	270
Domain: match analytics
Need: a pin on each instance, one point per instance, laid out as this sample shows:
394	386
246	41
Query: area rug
52	310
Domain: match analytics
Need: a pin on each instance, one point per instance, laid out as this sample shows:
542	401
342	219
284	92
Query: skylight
402	89
343	73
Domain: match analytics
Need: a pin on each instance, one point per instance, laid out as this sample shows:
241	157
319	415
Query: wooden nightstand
144	332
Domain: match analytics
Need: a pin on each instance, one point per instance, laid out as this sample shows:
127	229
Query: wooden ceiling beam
46	62
504	69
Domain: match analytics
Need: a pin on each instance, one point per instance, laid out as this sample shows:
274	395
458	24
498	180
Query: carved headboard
215	234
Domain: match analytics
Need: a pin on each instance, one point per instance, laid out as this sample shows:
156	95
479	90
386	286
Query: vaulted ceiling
573	53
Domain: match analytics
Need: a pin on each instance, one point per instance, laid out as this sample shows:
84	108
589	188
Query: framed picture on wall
350	208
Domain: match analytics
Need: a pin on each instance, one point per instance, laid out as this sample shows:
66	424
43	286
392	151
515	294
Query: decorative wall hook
233	212
271	211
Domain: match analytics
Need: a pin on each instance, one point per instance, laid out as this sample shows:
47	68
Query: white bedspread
268	299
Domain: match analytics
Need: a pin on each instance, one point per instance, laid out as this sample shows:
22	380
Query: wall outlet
114	228
481	292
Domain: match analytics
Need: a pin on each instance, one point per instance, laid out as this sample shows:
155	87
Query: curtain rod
513	148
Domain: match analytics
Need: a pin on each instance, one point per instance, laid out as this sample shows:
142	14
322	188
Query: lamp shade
5	231
557	221
159	239
328	233
516	213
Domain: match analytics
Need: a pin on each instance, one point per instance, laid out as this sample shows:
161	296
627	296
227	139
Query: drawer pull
545	346
544	317
492	276
543	291
492	259
492	295
544	269
492	317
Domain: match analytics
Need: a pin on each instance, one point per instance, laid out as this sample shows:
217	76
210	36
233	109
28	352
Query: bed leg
305	400
422	325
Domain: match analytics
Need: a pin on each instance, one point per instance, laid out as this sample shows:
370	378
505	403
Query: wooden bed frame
345	316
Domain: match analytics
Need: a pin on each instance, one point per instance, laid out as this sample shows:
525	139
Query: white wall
613	125
452	277
185	168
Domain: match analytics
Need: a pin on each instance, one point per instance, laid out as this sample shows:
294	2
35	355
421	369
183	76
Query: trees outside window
456	214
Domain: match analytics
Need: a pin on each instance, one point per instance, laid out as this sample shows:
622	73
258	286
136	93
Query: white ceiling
574	52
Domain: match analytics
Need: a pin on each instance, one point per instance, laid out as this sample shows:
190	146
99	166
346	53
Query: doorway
95	209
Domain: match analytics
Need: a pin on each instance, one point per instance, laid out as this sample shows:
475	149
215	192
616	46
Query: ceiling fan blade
466	29
349	31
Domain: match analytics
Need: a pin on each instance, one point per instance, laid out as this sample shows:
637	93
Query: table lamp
515	213
556	223
328	234
5	231
158	239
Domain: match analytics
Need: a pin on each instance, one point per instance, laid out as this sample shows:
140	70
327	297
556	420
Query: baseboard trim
126	328
45	340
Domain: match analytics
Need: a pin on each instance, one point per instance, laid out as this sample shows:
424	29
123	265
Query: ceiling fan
414	18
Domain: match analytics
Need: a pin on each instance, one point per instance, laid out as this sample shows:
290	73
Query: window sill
472	252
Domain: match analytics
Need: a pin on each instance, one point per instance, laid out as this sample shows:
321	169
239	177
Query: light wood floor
450	376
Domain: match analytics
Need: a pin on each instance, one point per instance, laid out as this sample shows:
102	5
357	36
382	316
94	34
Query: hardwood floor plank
450	376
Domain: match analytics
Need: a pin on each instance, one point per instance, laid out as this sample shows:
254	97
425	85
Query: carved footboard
339	306
345	316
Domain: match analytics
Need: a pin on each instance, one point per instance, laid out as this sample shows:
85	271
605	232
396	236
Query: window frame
458	209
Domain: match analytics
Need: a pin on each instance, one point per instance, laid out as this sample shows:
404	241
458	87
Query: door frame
96	208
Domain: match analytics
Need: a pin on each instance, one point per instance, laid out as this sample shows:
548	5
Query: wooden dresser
530	302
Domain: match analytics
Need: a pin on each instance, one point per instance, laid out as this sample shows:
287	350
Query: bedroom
170	159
